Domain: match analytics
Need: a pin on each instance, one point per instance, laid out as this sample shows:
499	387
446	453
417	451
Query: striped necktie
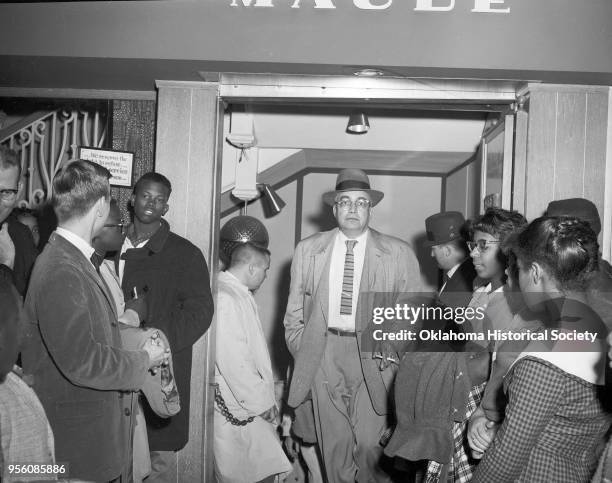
346	299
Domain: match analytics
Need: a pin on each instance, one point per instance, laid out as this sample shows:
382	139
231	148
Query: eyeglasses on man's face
346	204
482	245
121	226
8	195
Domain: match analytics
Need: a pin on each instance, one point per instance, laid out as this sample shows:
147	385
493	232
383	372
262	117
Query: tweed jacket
554	428
80	372
390	267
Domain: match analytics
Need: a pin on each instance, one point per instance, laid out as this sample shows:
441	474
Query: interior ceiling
408	140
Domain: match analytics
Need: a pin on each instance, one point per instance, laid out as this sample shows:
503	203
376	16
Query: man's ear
536	272
165	210
132	199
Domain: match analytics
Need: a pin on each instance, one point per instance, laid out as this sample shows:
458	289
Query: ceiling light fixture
369	73
358	123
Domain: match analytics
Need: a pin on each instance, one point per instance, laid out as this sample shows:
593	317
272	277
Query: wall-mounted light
358	123
272	203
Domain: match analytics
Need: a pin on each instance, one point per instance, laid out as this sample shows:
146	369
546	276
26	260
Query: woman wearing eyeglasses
555	421
487	232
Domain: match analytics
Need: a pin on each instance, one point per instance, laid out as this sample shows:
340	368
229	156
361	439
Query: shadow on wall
281	358
324	220
429	269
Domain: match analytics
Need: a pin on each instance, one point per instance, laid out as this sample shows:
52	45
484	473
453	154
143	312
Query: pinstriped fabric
346	299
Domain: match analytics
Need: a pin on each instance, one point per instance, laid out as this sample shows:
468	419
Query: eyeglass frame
12	194
481	244
346	204
121	225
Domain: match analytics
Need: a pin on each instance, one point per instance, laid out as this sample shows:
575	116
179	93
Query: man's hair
566	247
155	178
77	187
9	159
245	253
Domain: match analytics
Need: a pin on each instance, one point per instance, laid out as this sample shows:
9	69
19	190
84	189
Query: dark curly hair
565	247
499	223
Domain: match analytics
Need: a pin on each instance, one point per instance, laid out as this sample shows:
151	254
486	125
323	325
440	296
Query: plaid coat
553	428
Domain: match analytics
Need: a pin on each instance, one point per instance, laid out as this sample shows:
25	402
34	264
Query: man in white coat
246	446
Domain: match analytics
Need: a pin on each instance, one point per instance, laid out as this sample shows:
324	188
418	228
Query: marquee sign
479	6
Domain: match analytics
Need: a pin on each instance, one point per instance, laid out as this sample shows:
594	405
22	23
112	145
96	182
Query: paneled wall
566	146
463	190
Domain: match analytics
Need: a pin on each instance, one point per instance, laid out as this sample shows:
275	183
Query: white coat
243	371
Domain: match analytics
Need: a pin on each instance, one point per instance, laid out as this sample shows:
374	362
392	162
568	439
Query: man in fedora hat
445	237
328	311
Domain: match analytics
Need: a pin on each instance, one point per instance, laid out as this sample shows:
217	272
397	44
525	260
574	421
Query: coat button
127	411
114	324
458	376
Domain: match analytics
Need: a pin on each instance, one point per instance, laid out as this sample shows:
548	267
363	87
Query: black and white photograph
306	241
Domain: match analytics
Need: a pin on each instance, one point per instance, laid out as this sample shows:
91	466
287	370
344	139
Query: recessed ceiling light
368	73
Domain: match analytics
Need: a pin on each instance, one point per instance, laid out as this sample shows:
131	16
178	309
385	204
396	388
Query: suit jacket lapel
321	260
370	276
73	253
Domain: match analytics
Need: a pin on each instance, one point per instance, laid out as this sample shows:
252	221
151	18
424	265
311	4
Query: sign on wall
119	163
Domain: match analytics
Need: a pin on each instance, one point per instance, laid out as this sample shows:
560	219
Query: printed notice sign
119	163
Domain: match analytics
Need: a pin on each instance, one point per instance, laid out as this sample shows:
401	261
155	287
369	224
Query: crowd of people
102	322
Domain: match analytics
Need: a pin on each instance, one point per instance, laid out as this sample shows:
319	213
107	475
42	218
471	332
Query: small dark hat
579	208
352	179
444	227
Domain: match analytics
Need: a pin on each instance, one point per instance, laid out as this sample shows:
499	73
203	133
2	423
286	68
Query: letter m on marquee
258	3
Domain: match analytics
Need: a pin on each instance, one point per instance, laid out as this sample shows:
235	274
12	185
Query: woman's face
485	258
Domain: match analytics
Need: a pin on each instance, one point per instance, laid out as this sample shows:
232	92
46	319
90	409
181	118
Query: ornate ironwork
46	142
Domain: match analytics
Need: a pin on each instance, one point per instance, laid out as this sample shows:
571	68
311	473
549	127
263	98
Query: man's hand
158	352
481	433
271	415
138	305
7	248
386	355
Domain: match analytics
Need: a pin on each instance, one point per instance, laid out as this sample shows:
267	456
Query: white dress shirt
127	244
82	245
336	276
449	274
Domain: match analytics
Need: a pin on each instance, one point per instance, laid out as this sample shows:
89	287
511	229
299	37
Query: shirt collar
452	271
84	247
361	239
230	278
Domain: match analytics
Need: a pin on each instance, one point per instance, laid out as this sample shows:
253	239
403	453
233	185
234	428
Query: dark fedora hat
580	208
444	227
352	179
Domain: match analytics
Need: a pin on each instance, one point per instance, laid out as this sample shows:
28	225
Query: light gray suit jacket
390	268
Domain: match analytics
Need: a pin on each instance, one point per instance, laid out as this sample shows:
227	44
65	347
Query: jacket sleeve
407	292
294	315
534	393
193	309
67	323
234	358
